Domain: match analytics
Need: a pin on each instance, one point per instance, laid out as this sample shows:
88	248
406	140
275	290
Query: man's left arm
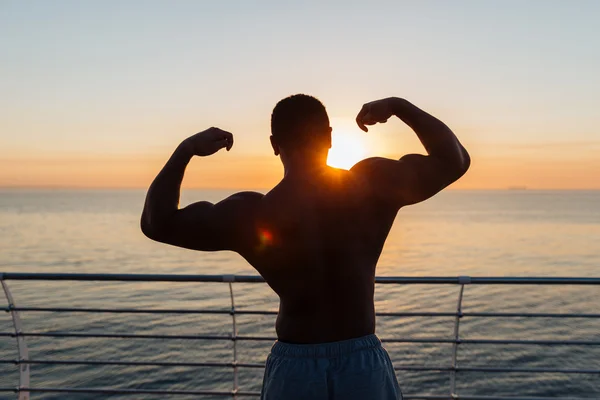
199	226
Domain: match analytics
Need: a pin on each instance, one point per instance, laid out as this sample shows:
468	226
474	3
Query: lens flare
265	239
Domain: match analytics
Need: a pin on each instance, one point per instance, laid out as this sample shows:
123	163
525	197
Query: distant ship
517	188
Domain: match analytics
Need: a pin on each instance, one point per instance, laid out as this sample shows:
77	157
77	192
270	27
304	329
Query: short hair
299	121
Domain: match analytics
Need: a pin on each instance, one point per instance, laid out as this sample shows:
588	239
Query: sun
346	149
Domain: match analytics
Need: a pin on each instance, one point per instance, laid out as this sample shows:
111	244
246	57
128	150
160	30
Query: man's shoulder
370	165
239	208
369	170
246	196
245	200
377	177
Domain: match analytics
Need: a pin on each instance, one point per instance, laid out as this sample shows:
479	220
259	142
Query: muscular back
316	237
316	242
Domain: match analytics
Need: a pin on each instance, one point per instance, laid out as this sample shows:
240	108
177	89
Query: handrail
443	280
261	366
24	362
270	312
273	338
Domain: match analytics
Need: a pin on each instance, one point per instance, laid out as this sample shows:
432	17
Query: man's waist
327	349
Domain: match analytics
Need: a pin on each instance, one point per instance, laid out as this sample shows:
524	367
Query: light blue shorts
356	369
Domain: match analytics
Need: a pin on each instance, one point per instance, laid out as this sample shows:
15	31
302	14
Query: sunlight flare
346	149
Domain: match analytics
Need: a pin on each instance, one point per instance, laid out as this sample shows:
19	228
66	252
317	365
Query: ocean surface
477	233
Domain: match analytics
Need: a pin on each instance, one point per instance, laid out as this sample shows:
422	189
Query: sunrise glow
346	149
115	98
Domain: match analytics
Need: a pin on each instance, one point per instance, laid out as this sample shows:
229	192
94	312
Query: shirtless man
315	238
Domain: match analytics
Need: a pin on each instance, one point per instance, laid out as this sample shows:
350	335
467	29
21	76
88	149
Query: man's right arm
414	177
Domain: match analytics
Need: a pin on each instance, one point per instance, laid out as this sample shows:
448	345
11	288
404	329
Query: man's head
299	124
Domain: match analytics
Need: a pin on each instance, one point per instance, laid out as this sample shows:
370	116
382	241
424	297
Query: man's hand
208	142
374	112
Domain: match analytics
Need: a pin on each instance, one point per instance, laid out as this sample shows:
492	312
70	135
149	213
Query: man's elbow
151	231
461	164
146	228
466	162
455	169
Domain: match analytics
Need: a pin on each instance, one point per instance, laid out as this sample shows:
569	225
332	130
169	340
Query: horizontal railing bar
532	342
500	370
136	363
129	391
475	397
430	397
261	365
173	392
460	397
119	310
529	315
257	278
267	312
133	336
256	394
114	335
28	276
137	310
488	315
415	340
495	341
267	338
489	280
417	397
255	312
416	314
528	370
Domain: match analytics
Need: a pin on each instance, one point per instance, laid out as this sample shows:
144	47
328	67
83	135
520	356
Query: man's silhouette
315	238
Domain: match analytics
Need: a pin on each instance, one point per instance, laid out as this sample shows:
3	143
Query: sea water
476	233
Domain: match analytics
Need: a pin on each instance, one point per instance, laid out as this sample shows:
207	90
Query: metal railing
24	362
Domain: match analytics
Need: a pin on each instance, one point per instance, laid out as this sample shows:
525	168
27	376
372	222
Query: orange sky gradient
228	171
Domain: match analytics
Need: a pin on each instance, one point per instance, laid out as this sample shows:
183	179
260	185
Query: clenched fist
208	142
376	111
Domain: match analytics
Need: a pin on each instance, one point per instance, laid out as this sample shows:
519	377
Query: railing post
21	345
462	280
234	339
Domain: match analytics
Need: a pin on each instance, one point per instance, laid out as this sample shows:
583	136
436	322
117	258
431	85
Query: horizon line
58	187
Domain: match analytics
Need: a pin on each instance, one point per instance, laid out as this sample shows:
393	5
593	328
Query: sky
99	93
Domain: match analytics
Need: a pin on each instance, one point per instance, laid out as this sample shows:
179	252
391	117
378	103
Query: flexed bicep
414	177
211	227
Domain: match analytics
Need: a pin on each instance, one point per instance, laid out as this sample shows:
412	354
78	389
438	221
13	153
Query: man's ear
275	146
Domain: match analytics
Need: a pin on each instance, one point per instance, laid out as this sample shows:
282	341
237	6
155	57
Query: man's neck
305	169
301	166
